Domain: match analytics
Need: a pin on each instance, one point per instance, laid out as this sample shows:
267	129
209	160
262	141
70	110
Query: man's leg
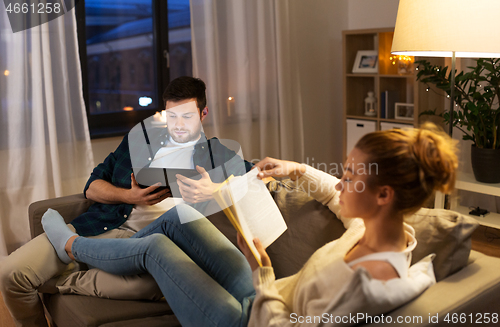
95	282
22	273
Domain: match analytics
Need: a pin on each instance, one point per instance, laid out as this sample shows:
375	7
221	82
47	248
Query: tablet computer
146	177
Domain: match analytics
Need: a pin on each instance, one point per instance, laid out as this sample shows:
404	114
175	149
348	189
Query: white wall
102	147
365	14
320	24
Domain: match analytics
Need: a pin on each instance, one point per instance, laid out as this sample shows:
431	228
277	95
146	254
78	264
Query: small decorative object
160	119
404	64
370	105
230	106
403	111
366	62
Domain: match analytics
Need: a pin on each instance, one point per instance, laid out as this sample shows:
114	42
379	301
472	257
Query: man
122	207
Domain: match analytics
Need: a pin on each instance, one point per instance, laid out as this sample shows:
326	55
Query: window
129	52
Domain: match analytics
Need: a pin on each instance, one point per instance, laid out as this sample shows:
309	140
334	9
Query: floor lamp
448	28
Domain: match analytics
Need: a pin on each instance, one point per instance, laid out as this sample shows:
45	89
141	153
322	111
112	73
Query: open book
250	208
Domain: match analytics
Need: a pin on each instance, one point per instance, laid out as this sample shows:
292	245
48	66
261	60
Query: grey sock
57	232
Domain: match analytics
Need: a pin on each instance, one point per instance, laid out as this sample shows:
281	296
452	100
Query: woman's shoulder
378	269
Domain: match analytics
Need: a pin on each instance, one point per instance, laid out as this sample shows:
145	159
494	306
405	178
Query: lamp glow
447	26
145	101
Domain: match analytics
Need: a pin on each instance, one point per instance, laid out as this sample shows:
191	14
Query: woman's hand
266	262
280	168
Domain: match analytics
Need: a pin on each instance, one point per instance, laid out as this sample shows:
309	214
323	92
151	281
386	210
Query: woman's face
356	199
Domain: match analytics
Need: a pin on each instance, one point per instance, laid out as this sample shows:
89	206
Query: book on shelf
251	210
388	101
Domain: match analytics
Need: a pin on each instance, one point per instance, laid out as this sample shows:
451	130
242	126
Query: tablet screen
146	177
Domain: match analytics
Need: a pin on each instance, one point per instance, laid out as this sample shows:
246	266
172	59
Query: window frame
120	123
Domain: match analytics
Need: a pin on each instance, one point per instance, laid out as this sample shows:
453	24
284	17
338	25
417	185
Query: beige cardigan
326	290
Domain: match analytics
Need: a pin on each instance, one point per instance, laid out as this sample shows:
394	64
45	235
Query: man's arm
104	192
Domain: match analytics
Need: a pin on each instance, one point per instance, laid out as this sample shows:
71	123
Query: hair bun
435	153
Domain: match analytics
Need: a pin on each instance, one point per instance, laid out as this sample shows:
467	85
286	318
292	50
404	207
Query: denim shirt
117	168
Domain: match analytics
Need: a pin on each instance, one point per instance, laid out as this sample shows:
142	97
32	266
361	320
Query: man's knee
16	277
30	266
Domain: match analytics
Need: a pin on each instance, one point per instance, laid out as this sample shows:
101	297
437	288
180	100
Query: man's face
183	120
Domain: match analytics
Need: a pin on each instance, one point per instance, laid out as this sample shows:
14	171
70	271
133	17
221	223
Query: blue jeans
205	279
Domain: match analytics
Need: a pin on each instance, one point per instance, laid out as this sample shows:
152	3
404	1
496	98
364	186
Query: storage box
385	126
356	128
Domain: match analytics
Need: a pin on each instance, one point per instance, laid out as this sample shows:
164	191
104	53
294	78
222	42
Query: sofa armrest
69	207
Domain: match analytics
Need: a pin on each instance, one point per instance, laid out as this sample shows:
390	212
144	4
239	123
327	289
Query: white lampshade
435	28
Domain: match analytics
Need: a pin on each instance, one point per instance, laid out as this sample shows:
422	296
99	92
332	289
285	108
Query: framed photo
366	62
403	111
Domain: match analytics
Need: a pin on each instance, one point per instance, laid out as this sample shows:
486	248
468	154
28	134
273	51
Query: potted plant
476	112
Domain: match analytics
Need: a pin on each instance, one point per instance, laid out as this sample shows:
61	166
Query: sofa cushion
78	310
310	226
445	233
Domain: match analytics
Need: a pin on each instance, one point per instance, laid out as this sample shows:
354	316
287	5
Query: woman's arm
316	183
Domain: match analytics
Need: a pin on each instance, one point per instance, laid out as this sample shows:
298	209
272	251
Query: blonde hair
414	162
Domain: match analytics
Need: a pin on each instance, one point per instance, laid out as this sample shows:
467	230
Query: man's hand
264	258
270	167
196	191
143	196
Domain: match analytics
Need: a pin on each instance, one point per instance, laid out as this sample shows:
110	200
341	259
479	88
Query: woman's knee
180	214
156	243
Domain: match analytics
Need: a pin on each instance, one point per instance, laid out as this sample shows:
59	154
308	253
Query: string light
405	59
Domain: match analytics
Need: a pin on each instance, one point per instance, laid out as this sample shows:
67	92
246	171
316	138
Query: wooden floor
5	318
484	239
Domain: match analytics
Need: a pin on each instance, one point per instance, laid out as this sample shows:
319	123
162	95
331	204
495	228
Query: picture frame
366	62
404	111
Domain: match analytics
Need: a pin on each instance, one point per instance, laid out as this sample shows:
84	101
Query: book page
258	214
226	201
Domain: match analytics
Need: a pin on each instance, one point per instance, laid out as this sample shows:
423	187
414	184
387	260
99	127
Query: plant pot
485	164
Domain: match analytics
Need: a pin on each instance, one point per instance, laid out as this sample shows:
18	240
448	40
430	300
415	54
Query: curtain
245	51
45	148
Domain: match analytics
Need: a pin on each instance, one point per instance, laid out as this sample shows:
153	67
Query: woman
207	281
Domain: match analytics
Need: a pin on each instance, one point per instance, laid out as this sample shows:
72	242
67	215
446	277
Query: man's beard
188	136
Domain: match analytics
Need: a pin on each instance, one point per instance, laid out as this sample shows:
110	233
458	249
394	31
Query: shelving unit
467	182
357	85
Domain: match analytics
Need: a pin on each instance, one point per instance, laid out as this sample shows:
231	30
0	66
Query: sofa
468	286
